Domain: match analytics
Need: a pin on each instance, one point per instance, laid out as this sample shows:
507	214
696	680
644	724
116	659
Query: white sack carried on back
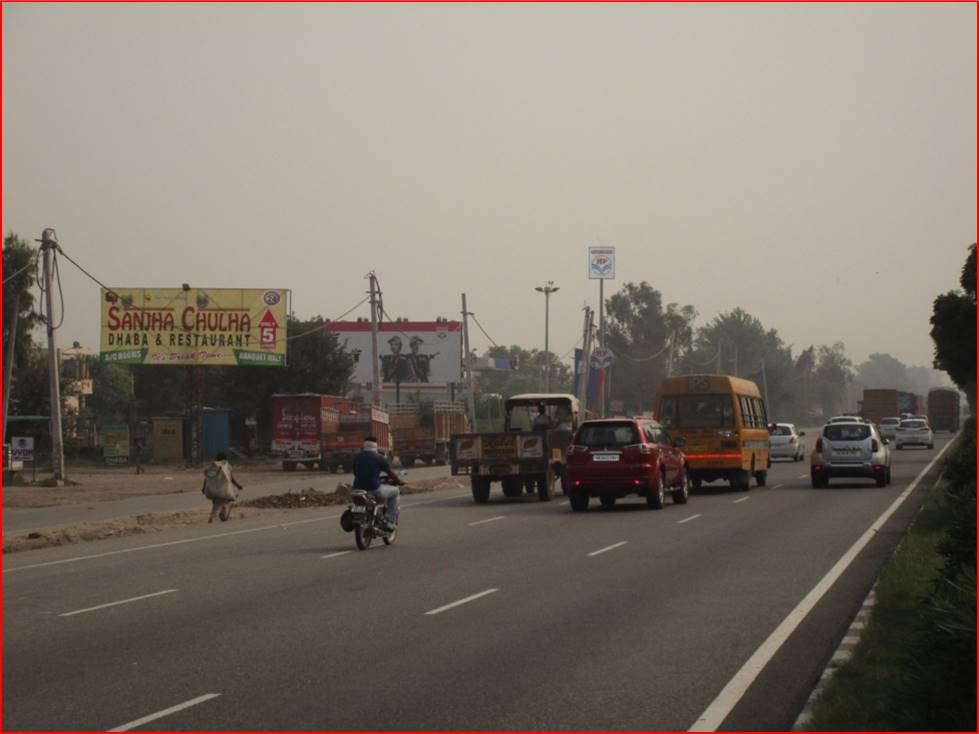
217	482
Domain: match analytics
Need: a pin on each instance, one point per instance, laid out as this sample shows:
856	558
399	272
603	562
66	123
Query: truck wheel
529	486
579	501
480	489
288	466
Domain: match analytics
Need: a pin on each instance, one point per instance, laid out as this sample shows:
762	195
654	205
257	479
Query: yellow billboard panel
240	326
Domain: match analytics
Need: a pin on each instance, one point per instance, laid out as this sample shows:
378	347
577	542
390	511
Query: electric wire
326	324
9	278
483	330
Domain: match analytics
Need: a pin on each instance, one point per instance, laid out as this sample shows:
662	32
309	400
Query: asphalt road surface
515	614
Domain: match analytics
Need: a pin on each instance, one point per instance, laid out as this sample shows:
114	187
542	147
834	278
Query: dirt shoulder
101	484
273	507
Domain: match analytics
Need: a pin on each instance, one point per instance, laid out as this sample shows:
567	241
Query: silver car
784	442
914	432
888	427
853	449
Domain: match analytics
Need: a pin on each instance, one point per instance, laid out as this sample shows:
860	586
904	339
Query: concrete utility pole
375	319
10	339
469	363
547	290
584	368
49	245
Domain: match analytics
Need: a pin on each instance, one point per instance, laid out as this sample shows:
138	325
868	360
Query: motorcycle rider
368	463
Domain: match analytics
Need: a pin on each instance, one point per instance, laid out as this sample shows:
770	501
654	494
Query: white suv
888	427
853	449
914	432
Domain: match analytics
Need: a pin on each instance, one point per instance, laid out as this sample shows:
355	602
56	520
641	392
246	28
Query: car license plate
605	457
358	509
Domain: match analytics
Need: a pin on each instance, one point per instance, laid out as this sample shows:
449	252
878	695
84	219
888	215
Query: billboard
234	326
410	352
601	263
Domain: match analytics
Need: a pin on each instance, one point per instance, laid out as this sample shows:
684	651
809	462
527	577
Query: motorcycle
365	517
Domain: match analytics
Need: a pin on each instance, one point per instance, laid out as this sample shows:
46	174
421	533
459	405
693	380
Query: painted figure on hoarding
396	367
421	364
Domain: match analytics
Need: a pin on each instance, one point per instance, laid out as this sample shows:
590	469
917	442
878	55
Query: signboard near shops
194	326
114	439
22	448
602	357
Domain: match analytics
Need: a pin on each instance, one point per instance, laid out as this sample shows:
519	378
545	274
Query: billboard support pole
469	363
49	243
601	340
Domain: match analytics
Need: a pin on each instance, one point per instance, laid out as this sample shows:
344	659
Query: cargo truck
323	431
879	404
423	431
944	409
520	458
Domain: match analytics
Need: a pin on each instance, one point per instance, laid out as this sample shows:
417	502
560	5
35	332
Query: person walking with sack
221	487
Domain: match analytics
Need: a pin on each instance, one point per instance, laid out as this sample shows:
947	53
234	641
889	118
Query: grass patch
915	666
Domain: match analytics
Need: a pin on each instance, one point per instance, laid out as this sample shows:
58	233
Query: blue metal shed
217	432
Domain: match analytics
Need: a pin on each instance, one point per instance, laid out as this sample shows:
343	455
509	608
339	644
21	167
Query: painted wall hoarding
233	326
115	443
410	352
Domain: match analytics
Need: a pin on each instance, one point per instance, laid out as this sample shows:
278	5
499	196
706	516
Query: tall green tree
830	378
953	330
883	371
639	331
19	261
528	375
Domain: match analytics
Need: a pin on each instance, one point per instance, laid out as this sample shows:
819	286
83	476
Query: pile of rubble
301	498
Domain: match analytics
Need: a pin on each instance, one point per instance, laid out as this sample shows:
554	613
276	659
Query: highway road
515	614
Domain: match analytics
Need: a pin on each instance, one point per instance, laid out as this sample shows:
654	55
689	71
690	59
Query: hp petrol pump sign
601	263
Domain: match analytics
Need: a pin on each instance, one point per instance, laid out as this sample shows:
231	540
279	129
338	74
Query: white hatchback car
850	450
914	432
888	427
785	442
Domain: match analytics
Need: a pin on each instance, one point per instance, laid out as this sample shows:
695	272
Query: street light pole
547	290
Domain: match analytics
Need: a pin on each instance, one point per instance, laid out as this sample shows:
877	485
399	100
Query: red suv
611	458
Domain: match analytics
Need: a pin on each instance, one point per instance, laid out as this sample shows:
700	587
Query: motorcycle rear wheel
363	535
390	537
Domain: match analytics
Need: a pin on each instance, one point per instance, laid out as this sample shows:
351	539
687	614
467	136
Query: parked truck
944	409
323	431
423	431
879	404
521	458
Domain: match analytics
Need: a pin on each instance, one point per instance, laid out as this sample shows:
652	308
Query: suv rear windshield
890	421
913	424
846	432
697	411
782	431
608	434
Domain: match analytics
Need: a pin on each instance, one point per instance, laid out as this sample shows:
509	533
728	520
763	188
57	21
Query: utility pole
669	359
585	367
469	363
9	350
547	290
49	244
375	319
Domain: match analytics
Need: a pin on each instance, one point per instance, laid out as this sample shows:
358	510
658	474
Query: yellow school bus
724	424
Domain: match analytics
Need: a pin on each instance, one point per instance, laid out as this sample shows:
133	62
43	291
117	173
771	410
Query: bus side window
747	418
760	412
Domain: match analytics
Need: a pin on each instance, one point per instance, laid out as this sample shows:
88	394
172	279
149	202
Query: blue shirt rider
368	463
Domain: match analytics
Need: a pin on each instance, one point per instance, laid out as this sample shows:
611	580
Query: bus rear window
696	411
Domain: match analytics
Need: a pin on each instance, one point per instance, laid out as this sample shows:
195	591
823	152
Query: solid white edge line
611	547
117	603
741	500
338	553
714	715
489	519
688	519
461	601
804	476
202	538
166	712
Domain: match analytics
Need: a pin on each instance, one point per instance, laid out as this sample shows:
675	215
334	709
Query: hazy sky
813	164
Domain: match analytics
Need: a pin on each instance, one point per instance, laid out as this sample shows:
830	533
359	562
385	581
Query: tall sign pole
469	363
601	267
49	244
